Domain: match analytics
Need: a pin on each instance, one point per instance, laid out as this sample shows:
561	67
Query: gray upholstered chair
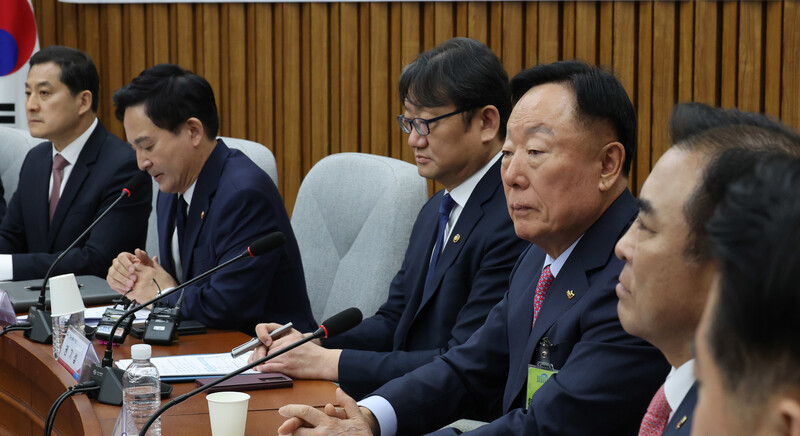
352	220
14	145
258	153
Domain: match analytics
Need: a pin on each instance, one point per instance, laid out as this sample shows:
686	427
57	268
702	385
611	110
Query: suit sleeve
462	381
361	372
124	228
12	228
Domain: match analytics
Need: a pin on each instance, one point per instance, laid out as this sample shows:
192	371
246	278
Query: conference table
31	380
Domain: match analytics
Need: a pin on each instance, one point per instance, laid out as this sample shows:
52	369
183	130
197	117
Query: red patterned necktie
545	280
58	171
657	416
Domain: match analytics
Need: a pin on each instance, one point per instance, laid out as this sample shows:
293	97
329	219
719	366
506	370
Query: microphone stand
319	333
41	329
337	324
109	378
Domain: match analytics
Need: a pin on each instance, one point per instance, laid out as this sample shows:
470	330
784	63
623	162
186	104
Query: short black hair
754	327
599	95
696	127
171	96
77	69
461	71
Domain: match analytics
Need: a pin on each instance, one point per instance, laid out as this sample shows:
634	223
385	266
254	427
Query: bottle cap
141	351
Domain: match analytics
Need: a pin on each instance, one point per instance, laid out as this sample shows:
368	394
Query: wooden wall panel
311	79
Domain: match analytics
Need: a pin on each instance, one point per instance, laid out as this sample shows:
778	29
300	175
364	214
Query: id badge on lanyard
539	373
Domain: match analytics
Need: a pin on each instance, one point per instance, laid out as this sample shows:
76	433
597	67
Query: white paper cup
228	413
65	297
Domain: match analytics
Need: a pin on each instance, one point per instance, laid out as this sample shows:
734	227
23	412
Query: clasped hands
311	361
140	274
347	420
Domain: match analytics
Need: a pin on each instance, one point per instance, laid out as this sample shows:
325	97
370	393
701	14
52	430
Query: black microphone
163	322
337	324
109	378
41	329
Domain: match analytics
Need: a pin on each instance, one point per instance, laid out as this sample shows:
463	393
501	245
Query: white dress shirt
70	153
679	382
461	195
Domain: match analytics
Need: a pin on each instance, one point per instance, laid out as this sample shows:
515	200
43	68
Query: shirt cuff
6	267
384	413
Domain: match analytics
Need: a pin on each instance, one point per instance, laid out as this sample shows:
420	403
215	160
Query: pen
39	288
253	343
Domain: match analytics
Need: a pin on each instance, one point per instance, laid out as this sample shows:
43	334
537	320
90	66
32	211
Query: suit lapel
681	422
469	218
204	190
571	277
80	171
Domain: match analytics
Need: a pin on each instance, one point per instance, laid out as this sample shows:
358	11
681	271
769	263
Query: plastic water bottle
61	325
141	391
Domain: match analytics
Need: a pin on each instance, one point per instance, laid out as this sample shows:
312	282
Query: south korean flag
18	41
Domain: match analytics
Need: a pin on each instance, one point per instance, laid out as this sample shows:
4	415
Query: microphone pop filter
139	181
265	244
341	322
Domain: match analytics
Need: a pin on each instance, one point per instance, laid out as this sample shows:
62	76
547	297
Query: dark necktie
444	214
59	163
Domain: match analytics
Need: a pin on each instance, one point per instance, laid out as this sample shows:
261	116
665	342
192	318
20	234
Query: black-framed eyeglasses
421	125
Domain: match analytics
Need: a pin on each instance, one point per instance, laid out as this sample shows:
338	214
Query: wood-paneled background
311	79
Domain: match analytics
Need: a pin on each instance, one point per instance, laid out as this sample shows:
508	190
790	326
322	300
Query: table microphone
41	328
337	324
109	378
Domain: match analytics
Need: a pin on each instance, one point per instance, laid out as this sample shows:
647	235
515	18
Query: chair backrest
352	219
258	153
14	145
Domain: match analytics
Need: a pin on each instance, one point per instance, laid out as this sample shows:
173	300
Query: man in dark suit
668	268
748	359
214	202
552	351
65	183
456	103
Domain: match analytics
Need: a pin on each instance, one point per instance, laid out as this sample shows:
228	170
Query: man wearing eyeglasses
462	247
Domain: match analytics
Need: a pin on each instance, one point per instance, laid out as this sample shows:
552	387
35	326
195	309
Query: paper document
195	365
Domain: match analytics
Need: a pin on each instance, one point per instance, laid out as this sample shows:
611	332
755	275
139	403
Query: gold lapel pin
202	214
456	238
570	294
681	422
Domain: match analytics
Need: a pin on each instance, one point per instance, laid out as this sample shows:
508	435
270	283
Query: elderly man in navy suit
213	203
67	182
552	352
668	268
462	246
